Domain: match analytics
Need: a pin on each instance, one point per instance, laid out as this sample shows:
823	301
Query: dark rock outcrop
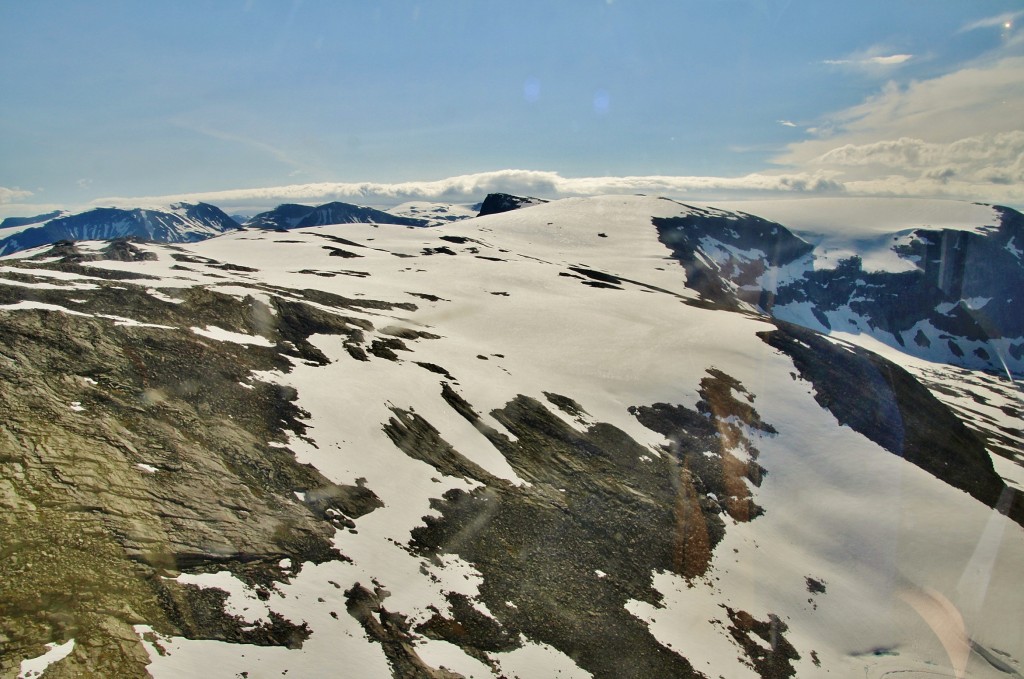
496	203
965	284
561	557
885	403
747	247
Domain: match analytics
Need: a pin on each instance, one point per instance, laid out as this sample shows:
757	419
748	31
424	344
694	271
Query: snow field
892	545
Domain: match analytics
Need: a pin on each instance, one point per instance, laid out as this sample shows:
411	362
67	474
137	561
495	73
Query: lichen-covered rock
130	453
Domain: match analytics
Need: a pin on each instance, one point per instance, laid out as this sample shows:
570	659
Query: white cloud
890	60
880	60
957	135
987	166
875	60
981	99
11	195
786	123
969	155
1000	21
473	187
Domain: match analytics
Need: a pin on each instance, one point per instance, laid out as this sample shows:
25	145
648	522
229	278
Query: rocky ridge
179	223
956	299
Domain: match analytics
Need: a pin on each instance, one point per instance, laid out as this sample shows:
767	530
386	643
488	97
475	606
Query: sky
251	103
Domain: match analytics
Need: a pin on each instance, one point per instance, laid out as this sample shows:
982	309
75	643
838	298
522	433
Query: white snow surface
844	322
988	401
26	305
47	273
443	212
222	335
36	667
898	550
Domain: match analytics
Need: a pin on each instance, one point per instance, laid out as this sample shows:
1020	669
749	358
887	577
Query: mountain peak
292	216
496	203
179	223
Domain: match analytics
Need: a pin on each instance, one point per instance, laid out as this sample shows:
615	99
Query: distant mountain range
179	223
191	222
188	222
26	221
291	216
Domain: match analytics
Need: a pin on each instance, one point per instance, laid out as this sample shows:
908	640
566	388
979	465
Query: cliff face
951	295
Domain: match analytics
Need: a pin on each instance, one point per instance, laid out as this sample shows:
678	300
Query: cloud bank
959	135
875	60
12	195
1002	153
473	187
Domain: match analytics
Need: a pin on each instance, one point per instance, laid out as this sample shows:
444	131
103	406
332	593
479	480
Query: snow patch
222	335
121	320
47	286
536	659
975	303
1013	249
26	305
35	667
163	297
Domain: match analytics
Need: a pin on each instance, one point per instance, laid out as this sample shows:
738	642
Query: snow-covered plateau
618	436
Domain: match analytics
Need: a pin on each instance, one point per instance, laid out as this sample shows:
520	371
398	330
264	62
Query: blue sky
251	102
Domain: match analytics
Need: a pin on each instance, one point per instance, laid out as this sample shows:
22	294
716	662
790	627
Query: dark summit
292	216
